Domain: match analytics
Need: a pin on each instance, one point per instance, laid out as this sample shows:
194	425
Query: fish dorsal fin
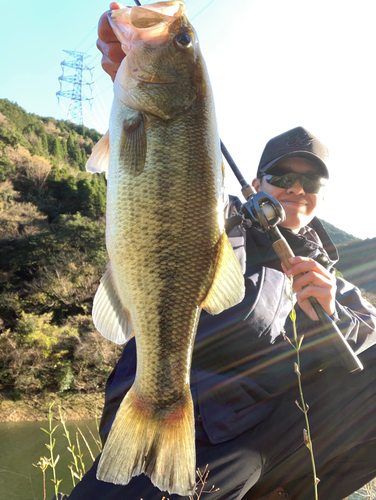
133	143
110	317
227	288
99	158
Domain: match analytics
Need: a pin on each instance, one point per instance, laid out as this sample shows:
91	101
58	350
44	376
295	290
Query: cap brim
302	154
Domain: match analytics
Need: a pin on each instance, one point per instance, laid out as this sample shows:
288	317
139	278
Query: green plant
52	461
77	466
76	472
303	406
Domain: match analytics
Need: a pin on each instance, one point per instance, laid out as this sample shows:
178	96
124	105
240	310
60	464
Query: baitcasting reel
260	210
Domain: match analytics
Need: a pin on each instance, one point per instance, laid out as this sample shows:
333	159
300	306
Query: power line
104	90
202	10
102	108
96	57
97	80
86	37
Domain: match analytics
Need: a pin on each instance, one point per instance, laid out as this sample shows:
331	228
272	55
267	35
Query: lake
23	444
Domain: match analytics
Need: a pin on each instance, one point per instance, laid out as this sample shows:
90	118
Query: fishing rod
265	212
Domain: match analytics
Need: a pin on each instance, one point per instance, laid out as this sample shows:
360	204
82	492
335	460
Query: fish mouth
146	23
150	25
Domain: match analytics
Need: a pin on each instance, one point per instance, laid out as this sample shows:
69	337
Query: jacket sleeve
356	316
356	319
118	384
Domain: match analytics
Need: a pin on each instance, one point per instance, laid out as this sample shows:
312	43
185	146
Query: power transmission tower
76	63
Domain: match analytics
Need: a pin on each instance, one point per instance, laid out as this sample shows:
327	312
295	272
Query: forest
52	227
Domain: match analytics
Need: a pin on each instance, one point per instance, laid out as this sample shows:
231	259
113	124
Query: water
23	444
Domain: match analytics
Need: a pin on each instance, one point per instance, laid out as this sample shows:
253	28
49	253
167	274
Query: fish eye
184	40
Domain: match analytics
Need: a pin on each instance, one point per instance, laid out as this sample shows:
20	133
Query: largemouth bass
169	254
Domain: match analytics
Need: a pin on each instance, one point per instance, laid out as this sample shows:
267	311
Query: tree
38	169
54	146
73	149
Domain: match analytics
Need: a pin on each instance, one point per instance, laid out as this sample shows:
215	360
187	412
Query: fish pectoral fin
99	158
133	143
227	288
110	316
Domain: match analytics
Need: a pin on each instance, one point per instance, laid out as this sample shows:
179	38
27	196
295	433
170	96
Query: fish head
163	71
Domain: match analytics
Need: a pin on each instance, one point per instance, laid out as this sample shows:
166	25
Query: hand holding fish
109	45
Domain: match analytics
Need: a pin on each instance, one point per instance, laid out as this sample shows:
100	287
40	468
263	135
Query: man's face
300	207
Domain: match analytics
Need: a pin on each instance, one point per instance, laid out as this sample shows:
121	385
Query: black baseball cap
295	142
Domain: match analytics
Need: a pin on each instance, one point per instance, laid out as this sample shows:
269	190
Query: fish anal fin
110	316
227	288
133	143
158	443
99	158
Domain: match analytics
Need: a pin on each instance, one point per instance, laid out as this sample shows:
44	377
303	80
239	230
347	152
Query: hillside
357	260
52	256
338	236
358	264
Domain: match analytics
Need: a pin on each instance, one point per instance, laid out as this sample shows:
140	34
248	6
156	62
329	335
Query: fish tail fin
159	444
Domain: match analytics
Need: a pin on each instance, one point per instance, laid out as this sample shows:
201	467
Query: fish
169	256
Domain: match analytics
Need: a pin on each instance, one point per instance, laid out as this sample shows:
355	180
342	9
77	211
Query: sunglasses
311	183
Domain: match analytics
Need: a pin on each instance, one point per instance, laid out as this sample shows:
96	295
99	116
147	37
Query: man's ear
256	183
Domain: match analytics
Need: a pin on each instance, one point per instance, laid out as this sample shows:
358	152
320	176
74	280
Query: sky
273	65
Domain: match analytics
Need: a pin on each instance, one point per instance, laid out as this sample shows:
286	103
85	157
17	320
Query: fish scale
169	255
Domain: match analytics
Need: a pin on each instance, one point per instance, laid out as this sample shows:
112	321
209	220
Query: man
248	426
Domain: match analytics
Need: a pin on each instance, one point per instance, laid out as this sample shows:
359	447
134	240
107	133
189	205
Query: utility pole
76	95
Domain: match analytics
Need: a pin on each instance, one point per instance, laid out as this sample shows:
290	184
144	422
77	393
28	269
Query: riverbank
35	408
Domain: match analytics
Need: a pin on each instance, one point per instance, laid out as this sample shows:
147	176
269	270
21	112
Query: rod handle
347	355
284	252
